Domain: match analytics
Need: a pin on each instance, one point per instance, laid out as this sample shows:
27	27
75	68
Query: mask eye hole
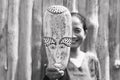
62	46
49	41
66	41
52	46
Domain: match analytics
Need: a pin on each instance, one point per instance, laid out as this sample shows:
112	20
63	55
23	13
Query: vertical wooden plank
102	39
3	14
119	24
81	6
56	2
69	4
92	16
65	3
75	6
45	5
52	2
113	39
117	53
118	27
12	38
36	39
3	55
25	24
59	2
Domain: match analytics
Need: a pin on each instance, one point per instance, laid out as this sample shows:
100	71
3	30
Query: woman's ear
86	31
85	35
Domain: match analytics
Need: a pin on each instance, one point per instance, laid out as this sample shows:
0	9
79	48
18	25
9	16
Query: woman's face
78	32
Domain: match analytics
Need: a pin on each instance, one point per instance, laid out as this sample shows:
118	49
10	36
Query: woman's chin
75	44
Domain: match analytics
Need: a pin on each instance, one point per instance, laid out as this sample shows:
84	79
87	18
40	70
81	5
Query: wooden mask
57	30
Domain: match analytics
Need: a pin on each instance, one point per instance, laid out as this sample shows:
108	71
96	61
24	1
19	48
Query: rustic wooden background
21	37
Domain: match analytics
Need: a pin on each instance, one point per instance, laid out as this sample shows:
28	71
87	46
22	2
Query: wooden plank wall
38	52
103	34
3	54
107	45
102	40
114	26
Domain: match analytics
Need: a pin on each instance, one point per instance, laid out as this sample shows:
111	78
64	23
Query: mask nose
58	65
58	56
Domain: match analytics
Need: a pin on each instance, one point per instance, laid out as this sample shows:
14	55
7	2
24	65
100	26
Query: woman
82	66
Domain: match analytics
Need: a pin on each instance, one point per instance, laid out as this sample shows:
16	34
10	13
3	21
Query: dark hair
83	20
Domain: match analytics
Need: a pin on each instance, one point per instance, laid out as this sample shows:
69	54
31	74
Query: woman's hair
83	20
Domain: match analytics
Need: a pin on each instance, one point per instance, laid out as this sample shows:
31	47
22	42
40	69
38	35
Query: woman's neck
74	52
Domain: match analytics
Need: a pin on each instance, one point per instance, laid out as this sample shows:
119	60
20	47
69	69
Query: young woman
82	66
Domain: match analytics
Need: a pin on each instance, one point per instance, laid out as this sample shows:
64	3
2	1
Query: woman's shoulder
91	56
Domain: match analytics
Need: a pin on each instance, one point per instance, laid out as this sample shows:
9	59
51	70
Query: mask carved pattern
49	40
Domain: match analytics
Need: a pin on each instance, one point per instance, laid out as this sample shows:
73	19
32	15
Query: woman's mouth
75	39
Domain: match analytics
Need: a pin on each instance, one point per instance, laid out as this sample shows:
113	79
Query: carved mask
57	30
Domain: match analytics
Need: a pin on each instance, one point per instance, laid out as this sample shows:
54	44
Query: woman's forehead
76	20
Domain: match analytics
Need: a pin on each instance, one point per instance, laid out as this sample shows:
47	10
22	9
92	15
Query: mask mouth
53	73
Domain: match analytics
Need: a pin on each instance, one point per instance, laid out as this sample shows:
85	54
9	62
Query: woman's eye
77	30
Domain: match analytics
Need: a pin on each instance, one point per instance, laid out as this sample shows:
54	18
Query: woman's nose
73	35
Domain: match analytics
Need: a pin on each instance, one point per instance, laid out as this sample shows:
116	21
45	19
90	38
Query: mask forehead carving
57	30
57	20
58	26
